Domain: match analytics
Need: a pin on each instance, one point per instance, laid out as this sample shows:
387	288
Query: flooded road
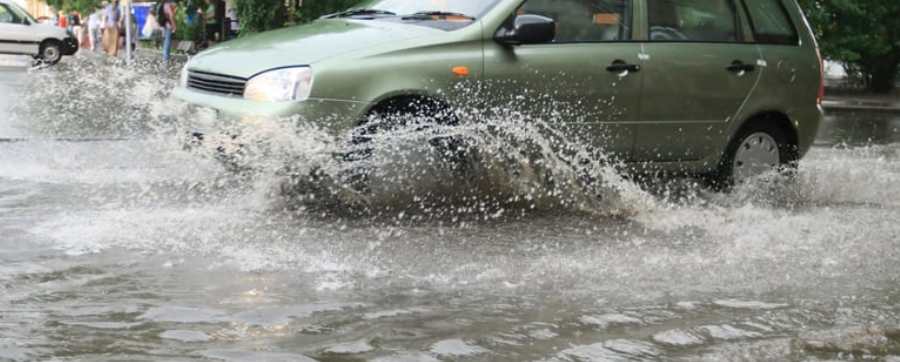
119	244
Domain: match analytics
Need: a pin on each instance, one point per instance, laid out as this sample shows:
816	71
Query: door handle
738	66
619	66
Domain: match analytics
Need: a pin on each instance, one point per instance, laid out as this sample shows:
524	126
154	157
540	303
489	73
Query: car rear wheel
50	52
759	148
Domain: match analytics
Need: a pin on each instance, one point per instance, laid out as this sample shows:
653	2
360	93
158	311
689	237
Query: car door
15	37
699	68
586	80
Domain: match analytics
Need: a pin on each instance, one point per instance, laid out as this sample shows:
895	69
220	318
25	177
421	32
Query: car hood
301	45
49	30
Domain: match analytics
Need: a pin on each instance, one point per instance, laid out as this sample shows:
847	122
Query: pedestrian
75	24
152	30
62	21
111	16
95	24
234	23
201	37
151	27
166	18
84	40
123	33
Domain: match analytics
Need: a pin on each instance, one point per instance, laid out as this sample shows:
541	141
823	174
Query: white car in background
20	33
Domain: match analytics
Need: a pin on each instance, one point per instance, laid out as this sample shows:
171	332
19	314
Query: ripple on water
457	348
748	304
407	357
678	338
185	336
727	332
604	321
179	314
249	356
356	347
612	350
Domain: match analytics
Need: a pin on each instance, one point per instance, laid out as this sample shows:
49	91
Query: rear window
692	21
771	23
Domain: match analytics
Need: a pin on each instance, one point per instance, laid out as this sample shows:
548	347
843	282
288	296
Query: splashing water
537	249
522	162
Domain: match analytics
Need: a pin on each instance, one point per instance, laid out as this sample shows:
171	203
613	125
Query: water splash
526	172
517	163
95	96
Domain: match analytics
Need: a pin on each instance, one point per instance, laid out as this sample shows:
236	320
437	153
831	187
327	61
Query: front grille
216	83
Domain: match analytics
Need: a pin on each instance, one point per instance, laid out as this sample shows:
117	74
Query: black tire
724	178
398	114
50	52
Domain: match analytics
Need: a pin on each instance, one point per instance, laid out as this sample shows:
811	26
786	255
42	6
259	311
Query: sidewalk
177	57
863	102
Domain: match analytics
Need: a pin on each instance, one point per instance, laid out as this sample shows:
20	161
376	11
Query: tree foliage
184	29
261	15
865	34
84	7
313	9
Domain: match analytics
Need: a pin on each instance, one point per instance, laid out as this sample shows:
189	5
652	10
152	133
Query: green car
725	87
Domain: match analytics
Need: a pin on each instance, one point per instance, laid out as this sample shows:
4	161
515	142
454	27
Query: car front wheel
50	52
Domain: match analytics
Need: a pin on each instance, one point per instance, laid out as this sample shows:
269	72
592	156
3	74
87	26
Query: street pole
128	33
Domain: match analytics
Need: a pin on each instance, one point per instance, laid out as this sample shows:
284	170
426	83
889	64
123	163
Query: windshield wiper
358	12
430	15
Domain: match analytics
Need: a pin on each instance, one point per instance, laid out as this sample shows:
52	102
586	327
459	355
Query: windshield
474	8
22	13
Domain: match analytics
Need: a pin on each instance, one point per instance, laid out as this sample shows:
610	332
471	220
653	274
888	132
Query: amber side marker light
820	97
461	71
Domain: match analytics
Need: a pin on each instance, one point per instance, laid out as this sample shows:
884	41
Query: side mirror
528	29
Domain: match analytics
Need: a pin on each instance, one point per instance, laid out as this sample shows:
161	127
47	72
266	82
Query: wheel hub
757	155
51	54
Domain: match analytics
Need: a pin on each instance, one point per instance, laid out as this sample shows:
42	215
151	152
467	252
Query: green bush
314	9
862	33
183	30
260	15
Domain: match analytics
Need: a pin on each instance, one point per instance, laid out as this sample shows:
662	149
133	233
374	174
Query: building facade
37	8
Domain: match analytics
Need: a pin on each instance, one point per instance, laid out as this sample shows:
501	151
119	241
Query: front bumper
69	46
337	115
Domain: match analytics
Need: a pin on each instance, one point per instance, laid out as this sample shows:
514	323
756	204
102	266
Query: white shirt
94	21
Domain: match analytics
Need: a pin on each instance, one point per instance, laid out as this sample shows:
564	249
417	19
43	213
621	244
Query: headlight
280	85
183	77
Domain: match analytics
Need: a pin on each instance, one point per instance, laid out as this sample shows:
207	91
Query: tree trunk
884	74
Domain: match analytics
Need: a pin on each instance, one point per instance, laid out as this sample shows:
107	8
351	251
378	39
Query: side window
692	20
771	23
585	20
6	16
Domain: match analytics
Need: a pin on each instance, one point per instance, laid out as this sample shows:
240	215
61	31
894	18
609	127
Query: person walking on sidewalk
166	18
62	21
123	33
95	24
111	16
75	25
